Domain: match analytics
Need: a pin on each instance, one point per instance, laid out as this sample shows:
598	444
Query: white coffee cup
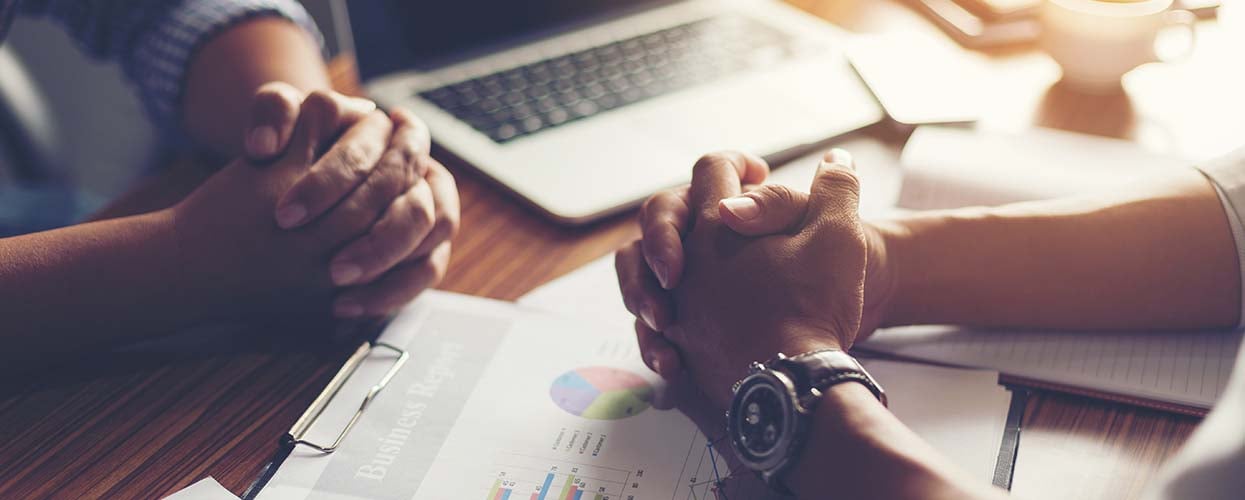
1097	41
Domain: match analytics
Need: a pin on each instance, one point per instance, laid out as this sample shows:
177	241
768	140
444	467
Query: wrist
190	274
798	336
892	256
841	424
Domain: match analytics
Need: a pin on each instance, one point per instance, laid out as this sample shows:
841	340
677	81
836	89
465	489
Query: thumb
767	210
274	111
836	189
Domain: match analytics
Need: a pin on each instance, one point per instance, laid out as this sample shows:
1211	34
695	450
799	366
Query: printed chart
601	393
523	477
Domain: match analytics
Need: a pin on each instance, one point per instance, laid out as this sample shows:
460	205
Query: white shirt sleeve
1228	176
1211	465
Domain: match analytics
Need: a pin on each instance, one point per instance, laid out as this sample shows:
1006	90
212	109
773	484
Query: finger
363	208
770	209
395	288
274	112
400	229
836	189
642	295
321	117
720	175
446	207
658	353
664	220
407	220
337	173
412	130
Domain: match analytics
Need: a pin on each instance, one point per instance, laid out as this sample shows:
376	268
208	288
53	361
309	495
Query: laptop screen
392	35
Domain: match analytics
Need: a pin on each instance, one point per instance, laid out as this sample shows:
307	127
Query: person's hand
760	290
236	261
407	248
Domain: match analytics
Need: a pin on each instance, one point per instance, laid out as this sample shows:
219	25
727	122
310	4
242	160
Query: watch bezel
792	414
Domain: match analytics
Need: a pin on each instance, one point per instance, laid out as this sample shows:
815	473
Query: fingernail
646	314
743	207
290	215
347	309
663	273
345	273
841	157
263	141
655	364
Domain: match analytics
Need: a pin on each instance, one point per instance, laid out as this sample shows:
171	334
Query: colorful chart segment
540	478
601	393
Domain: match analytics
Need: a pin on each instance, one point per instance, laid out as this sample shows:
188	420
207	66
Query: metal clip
300	428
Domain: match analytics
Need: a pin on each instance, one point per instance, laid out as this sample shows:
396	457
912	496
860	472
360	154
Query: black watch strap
813	372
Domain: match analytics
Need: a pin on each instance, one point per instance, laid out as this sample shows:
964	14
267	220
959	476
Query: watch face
761	420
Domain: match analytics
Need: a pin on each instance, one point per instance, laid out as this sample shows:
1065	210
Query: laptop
583	108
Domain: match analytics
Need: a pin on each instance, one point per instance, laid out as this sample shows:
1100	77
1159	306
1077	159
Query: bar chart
522	477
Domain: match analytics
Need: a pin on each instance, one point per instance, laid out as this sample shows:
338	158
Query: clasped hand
338	205
728	272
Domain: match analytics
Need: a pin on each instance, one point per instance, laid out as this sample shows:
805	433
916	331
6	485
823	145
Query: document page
1187	368
960	412
500	402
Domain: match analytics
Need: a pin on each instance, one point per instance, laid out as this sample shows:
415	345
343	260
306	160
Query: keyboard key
520	101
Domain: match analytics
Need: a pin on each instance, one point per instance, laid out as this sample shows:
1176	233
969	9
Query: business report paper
501	402
961	413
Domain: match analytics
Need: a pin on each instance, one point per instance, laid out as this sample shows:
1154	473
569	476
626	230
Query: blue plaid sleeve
154	40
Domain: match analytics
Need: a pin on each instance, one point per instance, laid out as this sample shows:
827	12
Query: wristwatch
771	410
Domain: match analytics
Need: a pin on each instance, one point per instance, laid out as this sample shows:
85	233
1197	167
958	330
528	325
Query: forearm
227	70
858	449
1159	256
90	284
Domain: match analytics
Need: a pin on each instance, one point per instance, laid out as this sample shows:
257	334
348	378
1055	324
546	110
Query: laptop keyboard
528	99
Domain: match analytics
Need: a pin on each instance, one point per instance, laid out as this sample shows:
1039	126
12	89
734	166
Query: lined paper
1188	368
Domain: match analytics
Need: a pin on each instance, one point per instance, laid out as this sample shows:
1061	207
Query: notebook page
1189	368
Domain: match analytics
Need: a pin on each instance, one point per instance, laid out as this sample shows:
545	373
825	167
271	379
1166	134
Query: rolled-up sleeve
1228	176
155	40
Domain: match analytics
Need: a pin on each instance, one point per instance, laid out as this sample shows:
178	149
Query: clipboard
297	434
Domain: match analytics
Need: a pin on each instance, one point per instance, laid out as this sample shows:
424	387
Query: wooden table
135	427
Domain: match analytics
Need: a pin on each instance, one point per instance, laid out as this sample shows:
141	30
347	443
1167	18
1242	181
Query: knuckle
647	208
393	180
712	162
422	214
708	216
353	158
839	178
779	194
418	163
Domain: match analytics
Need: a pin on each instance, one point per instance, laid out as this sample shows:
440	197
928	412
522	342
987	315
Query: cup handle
1183	19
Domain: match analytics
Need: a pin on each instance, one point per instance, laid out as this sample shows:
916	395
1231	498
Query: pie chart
601	393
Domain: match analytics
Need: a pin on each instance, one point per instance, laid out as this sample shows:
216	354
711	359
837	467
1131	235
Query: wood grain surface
142	426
